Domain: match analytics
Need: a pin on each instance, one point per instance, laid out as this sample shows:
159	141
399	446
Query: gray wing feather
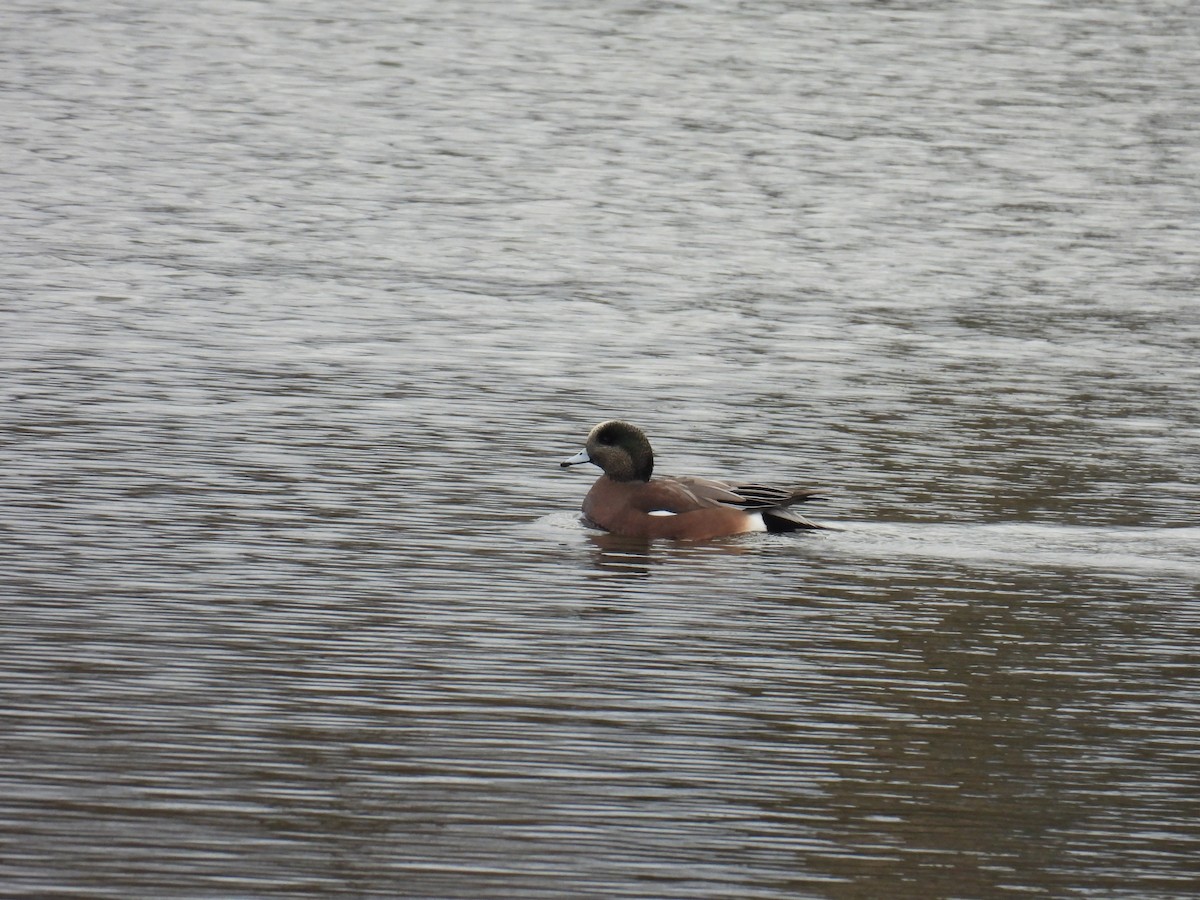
710	492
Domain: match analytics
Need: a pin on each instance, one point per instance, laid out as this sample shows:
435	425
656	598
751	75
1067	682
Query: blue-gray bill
576	460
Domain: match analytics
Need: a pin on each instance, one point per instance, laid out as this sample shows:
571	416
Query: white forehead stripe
661	512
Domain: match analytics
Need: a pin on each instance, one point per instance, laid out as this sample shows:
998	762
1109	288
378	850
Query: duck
630	500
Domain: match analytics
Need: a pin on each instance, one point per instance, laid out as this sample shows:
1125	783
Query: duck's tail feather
782	519
773	503
765	496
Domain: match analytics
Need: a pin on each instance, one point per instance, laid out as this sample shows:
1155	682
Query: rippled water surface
302	304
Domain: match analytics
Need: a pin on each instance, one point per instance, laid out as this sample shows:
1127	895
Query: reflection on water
303	308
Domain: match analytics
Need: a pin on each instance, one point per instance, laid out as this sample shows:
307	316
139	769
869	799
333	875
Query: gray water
303	302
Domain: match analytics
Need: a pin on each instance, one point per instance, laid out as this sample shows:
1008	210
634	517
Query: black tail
782	519
773	503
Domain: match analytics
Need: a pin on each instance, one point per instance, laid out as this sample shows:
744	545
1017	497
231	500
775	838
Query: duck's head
620	449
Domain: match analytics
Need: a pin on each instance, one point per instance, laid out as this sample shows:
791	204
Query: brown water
302	307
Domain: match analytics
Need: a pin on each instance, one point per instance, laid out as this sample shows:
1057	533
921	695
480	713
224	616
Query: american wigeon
626	500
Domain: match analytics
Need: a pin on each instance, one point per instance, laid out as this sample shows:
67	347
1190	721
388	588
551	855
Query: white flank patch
661	512
757	523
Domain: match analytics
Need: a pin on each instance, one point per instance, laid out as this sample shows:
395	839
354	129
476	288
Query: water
302	306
